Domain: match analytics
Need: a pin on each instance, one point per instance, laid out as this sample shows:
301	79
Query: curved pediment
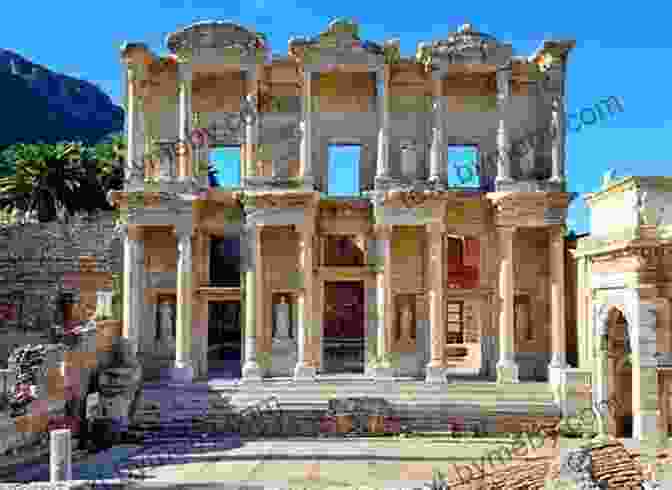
215	34
465	46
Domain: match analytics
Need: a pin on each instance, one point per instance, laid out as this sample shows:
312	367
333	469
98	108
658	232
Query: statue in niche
406	325
282	321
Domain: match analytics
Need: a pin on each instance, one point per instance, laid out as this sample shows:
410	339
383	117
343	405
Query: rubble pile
359	416
29	362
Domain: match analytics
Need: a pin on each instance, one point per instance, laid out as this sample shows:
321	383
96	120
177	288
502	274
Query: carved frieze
530	209
278	200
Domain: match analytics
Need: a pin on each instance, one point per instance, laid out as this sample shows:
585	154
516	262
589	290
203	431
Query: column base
435	375
554	372
182	372
382	373
507	372
304	373
251	372
645	426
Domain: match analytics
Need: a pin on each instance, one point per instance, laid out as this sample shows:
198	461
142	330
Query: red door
344	310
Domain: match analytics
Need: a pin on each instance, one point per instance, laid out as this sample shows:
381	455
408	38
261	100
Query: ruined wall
37	264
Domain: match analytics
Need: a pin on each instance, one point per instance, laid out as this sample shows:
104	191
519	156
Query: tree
46	180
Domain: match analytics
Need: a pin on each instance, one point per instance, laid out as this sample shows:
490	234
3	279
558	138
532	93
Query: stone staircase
220	406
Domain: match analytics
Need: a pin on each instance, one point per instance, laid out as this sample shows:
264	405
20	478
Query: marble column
60	455
503	143
306	128
183	370
307	332
383	107
134	265
437	150
185	156
135	140
385	369
435	370
507	368
251	134
601	370
645	403
559	133
251	370
557	282
166	326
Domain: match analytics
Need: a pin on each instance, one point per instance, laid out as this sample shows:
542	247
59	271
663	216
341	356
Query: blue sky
621	52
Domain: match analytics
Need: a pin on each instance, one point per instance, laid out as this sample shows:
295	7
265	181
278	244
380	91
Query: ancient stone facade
415	276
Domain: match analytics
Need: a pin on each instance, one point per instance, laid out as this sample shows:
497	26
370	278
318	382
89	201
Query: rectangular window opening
343	170
463	166
455	322
224	167
225	262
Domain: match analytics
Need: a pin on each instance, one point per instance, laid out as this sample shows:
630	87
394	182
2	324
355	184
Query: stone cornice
280	199
529	208
628	183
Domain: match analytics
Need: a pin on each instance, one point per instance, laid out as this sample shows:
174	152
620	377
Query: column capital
382	231
182	232
132	232
185	72
556	234
506	230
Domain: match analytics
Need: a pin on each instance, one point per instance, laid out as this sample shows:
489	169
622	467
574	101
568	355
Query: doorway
224	339
343	340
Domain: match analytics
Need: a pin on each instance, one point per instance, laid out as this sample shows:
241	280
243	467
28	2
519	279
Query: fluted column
384	369
306	127
251	118
437	148
251	370
503	143
135	140
557	269
558	130
166	325
183	370
507	369
185	156
435	372
383	107
134	264
307	332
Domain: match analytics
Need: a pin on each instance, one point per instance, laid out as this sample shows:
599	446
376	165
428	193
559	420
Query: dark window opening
225	262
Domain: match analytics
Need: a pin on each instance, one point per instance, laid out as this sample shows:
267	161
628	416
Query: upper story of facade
411	120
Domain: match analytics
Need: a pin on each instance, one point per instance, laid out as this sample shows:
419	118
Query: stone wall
39	262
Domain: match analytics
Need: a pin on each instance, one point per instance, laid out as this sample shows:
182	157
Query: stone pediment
467	47
340	38
216	34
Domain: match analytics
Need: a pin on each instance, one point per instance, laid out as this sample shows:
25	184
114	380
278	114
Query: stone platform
473	406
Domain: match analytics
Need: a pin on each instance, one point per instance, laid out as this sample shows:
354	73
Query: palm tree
47	180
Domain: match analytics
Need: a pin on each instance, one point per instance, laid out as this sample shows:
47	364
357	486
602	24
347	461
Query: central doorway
224	339
343	341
